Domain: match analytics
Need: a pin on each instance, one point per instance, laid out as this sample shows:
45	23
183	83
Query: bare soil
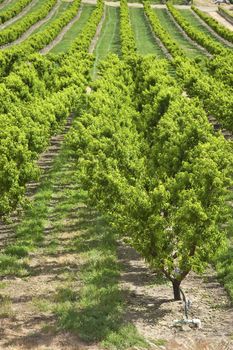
151	308
148	298
209	3
221	20
91	2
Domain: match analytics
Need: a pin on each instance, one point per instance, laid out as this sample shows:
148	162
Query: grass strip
65	44
64	6
109	40
145	41
197	25
215	25
167	23
30	231
94	312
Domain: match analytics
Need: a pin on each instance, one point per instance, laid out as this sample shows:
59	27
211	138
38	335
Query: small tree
176	226
162	183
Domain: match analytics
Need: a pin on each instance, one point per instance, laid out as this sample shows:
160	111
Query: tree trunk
176	289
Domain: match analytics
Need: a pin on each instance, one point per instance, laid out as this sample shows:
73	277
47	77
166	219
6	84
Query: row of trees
42	38
221	68
37	97
83	41
216	97
220	29
13	32
148	157
38	93
211	45
39	40
151	161
162	34
13	10
212	86
128	45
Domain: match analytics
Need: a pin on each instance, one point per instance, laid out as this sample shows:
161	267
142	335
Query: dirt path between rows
20	15
33	27
60	36
212	31
151	308
97	33
221	20
133	4
91	2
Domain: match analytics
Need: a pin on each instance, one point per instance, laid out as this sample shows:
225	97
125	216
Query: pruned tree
162	181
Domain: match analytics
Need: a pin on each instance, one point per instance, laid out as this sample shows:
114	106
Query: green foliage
164	36
161	175
216	97
17	29
65	294
12	11
221	68
11	265
38	40
17	250
3	285
196	35
128	45
126	338
220	29
83	42
146	154
38	94
37	97
29	233
224	266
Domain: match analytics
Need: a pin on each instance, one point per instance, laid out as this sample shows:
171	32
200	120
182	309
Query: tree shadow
102	307
47	338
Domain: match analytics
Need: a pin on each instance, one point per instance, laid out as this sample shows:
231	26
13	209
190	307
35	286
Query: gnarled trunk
176	289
